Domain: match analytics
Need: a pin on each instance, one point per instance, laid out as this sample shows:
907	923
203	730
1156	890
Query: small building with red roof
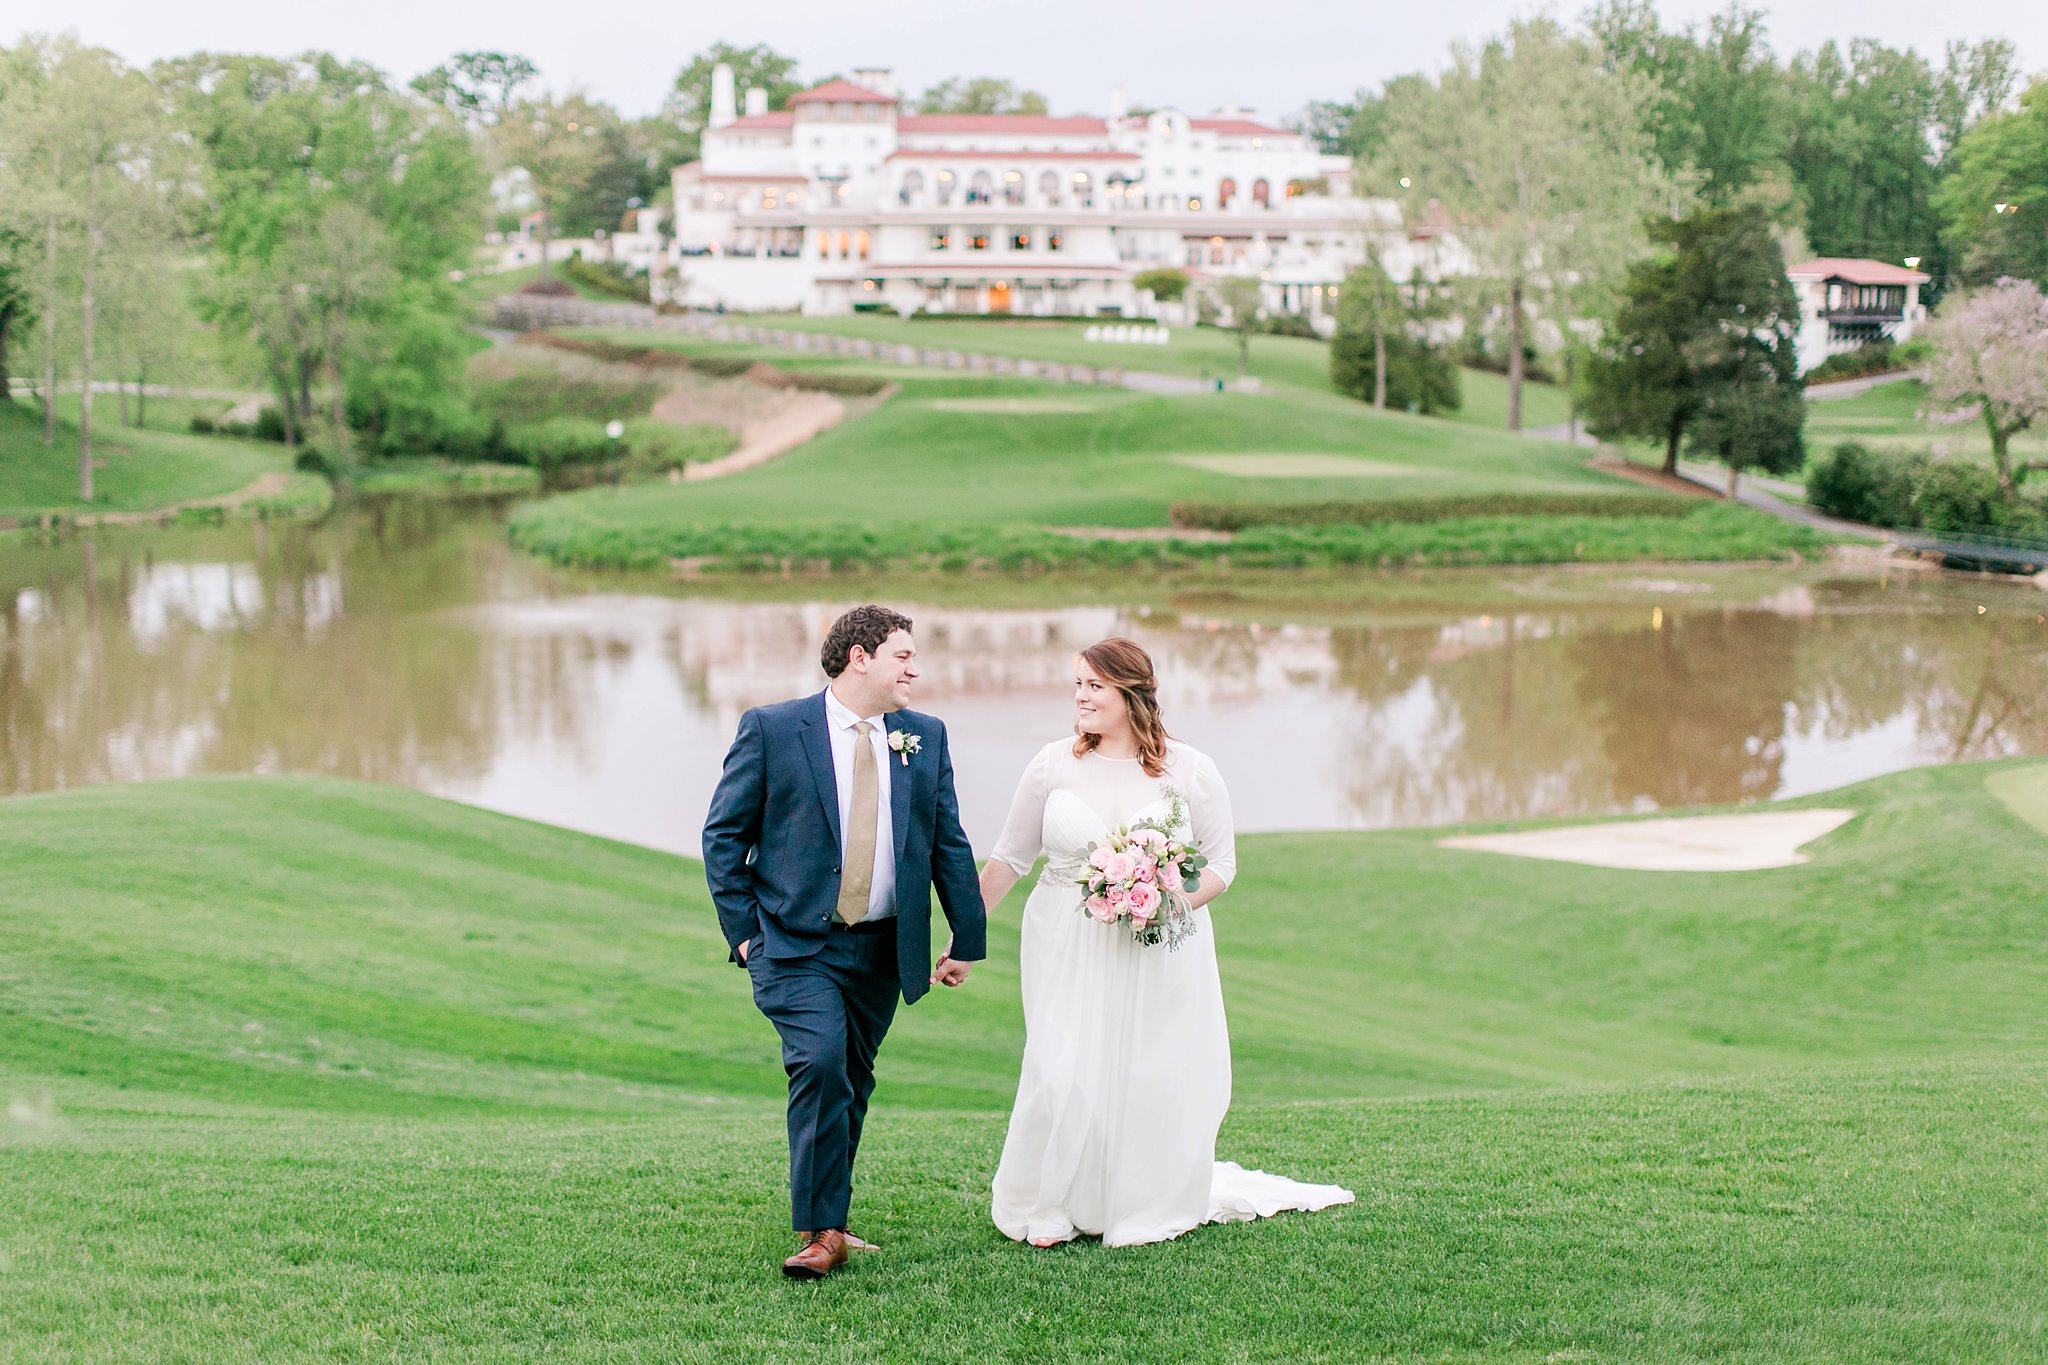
1845	303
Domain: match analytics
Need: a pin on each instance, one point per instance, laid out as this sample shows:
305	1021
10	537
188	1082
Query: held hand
949	972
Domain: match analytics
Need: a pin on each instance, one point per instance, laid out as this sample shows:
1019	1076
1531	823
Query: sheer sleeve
1209	809
1023	833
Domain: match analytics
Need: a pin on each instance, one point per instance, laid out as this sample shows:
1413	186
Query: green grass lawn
1281	363
1889	418
302	1069
138	468
929	474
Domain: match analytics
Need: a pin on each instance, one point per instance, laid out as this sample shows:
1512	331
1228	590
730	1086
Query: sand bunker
1294	466
1701	843
2025	792
1024	407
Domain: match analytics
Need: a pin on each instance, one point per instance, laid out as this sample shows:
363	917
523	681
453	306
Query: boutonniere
905	744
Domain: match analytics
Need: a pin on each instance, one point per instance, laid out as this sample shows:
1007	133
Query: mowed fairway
310	1070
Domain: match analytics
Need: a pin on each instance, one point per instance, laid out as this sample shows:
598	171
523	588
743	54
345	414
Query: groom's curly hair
865	626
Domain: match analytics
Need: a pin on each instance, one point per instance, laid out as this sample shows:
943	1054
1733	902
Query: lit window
1020	241
1195	204
1052	240
768	199
978	242
941	239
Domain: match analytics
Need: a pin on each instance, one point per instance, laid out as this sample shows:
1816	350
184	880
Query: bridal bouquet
1140	876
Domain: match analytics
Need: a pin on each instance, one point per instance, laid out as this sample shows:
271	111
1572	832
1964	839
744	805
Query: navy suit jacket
771	841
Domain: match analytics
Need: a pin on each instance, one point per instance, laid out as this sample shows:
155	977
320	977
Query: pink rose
1144	902
1147	838
1099	859
1147	870
1101	909
1120	867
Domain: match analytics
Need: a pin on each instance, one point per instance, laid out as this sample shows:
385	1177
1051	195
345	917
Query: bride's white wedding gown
1126	1053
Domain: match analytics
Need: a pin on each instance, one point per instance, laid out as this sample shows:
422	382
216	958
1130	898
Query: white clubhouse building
844	199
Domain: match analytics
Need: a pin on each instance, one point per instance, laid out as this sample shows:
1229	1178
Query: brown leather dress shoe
823	1254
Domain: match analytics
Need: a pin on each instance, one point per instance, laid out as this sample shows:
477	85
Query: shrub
880	310
1955	495
1856	485
652	448
721	366
1872	357
606	277
1167	284
1236	516
1472	350
537	393
549	287
852	385
202	425
1419	377
1290	325
1911	355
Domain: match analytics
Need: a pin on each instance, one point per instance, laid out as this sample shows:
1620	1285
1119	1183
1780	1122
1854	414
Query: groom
833	822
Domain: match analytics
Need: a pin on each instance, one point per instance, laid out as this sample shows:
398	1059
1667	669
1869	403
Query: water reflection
405	644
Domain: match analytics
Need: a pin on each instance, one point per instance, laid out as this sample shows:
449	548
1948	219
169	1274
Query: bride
1126	1053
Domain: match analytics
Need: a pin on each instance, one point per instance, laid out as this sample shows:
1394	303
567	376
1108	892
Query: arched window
981	189
824	246
860	244
913	186
1084	190
1226	192
1049	188
1013	187
1262	194
947	183
843	243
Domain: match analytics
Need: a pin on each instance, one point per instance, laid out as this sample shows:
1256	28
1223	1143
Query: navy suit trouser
831	1009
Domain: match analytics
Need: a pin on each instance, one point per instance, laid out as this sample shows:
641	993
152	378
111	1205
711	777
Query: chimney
875	78
1119	103
757	101
721	96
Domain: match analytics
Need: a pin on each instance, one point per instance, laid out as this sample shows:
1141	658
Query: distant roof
1854	271
780	118
1239	127
842	90
1015	125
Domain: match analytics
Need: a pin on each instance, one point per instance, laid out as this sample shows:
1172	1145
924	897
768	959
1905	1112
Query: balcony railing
1864	314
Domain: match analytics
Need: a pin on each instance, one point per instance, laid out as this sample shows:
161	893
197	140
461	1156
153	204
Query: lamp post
615	429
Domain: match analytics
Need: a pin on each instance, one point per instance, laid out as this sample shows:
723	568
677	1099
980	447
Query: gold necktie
859	877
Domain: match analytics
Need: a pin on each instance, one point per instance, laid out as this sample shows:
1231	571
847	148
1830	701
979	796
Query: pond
405	643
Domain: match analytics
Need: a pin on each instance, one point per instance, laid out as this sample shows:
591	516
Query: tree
1990	351
1381	351
1718	104
2001	160
1166	282
311	158
17	302
1344	128
1702	345
477	87
90	138
557	143
1860	150
979	95
1539	152
1239	295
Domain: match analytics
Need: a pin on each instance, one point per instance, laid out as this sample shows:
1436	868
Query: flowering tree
1991	351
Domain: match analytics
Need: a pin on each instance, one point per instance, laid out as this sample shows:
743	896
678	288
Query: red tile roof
842	90
1238	127
1001	125
996	153
1854	271
780	118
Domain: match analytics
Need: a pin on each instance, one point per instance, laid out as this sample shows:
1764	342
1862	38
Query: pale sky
1273	55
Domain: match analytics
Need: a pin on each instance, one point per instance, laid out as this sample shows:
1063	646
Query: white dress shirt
839	723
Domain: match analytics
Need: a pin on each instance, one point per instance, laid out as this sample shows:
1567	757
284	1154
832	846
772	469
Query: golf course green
299	1069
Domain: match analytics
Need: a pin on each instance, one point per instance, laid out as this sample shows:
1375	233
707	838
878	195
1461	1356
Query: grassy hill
138	469
958	470
302	1069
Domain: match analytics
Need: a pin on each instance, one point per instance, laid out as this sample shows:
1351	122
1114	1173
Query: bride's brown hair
1125	665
